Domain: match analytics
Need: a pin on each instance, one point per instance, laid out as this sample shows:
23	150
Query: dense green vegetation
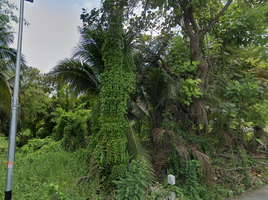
131	106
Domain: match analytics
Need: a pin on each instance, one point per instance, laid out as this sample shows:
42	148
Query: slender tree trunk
203	65
197	113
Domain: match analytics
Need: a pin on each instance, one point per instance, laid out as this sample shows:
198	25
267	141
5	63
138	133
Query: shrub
71	129
134	185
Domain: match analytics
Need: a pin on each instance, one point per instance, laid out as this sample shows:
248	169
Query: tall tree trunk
197	111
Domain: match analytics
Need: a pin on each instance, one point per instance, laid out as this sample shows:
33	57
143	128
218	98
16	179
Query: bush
71	129
35	144
135	184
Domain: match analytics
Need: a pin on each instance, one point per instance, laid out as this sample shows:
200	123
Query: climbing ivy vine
117	82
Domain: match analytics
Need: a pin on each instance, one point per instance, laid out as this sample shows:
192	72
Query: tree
7	62
7	58
117	83
198	22
159	113
203	83
82	71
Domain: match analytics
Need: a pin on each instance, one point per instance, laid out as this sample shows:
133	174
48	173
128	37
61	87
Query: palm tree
7	67
157	110
82	71
7	63
5	92
158	116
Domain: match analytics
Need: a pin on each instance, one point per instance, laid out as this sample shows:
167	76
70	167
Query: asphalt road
258	194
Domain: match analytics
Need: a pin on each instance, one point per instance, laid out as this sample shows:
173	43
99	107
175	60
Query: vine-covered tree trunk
117	82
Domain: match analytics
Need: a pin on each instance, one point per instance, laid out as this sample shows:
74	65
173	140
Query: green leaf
258	140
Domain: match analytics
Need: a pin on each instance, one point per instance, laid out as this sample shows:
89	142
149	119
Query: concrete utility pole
14	110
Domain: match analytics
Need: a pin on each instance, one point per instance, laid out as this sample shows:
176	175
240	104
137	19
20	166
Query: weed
45	165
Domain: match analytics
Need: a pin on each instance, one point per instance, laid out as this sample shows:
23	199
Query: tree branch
187	23
22	137
162	61
163	66
216	18
219	78
193	22
145	9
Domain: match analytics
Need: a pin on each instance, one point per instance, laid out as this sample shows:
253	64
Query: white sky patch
88	5
52	33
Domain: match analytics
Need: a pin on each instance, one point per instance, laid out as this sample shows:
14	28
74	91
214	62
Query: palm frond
156	87
139	112
198	110
5	93
205	163
78	75
6	36
89	49
136	149
165	136
171	92
141	99
90	53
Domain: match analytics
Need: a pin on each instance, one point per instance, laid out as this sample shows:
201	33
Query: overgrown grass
34	172
43	170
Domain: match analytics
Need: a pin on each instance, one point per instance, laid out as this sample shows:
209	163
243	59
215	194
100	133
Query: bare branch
216	18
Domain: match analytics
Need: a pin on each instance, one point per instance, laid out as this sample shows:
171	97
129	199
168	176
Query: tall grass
35	171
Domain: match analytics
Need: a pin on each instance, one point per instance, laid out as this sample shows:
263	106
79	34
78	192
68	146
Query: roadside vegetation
180	88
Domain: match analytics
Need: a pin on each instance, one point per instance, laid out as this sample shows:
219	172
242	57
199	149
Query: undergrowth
42	171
